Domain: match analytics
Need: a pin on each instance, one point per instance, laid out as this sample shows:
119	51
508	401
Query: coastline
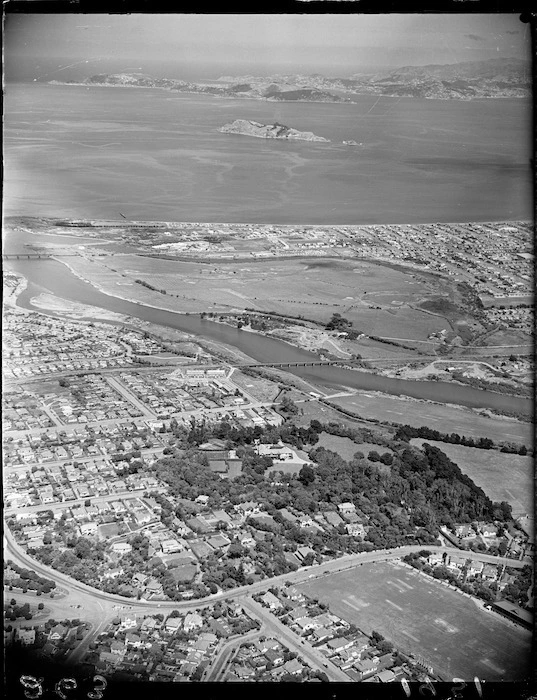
269	99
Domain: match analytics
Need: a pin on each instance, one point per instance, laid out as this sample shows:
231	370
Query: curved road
98	607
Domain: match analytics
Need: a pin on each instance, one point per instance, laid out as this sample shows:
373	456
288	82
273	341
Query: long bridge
314	363
35	256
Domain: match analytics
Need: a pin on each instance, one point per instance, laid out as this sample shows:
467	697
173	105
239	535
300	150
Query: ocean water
156	155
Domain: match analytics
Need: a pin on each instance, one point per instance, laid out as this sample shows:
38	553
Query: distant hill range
499	77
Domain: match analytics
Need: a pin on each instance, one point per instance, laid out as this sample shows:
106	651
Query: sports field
424	617
503	477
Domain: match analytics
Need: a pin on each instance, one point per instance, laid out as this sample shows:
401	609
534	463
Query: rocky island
246	127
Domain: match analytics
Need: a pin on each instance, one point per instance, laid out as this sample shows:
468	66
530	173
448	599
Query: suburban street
281	632
98	607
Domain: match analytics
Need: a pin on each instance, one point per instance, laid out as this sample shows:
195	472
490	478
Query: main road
99	607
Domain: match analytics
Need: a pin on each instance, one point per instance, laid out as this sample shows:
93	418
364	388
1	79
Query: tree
40	606
287	405
306	475
197	675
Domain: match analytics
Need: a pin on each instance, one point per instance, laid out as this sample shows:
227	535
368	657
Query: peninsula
246	127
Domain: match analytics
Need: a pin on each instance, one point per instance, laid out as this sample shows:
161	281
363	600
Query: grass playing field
424	617
503	477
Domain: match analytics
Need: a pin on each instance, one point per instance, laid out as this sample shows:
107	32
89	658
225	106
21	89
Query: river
52	276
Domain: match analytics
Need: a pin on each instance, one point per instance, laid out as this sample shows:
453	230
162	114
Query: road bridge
36	256
311	363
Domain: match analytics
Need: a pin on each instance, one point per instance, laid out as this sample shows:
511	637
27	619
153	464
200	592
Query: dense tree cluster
407	432
343	325
519	590
28	579
82	559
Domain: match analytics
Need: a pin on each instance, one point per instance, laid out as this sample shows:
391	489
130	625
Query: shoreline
268	99
107	223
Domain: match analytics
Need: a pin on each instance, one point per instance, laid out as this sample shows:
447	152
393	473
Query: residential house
234	609
173	624
464	531
346	508
139	579
435	558
192	621
475	568
128	621
274	657
456	564
294	667
132	640
109	658
270	600
355	529
153	588
487	529
247	509
366	668
305	521
88	529
121	548
321	634
112	573
118	647
170	545
57	632
246	540
25	636
306	624
302	552
339	643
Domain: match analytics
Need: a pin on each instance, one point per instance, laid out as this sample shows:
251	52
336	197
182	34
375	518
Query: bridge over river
241	365
36	256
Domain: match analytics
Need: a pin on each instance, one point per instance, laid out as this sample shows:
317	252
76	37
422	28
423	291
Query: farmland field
423	617
447	418
503	477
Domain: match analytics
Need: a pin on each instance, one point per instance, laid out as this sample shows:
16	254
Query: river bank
55	277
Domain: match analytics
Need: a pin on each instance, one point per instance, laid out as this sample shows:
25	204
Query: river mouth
54	277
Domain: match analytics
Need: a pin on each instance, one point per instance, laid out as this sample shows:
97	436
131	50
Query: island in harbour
247	127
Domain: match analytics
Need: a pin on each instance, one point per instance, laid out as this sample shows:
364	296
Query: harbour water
96	152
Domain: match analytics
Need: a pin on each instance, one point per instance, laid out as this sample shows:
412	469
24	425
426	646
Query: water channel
54	277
